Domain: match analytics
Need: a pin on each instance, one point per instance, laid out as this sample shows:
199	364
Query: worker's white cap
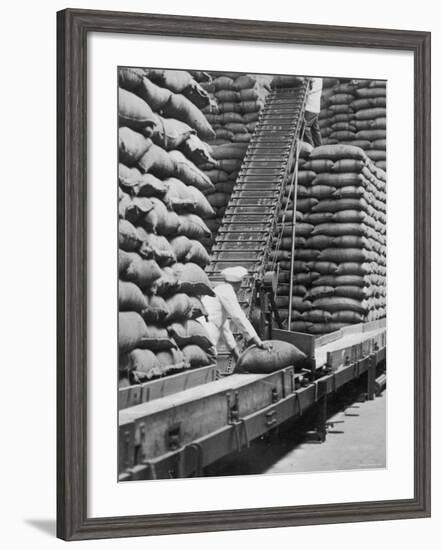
234	274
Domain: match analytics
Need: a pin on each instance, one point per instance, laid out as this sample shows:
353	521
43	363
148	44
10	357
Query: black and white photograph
252	273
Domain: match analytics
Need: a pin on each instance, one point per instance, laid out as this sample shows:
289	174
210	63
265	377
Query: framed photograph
243	249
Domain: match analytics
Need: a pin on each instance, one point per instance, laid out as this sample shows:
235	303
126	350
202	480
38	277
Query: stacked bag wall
162	208
340	252
354	112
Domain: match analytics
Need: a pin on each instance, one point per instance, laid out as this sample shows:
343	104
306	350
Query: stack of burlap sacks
354	112
162	206
340	258
236	101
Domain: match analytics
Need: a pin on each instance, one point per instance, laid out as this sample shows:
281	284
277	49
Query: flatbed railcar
180	433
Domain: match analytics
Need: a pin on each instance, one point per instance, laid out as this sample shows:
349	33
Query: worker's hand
235	353
264	345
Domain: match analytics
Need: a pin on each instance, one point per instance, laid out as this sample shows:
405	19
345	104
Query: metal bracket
232	407
271	418
197	448
173	437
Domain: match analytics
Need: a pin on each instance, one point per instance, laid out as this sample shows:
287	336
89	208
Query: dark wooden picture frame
73	27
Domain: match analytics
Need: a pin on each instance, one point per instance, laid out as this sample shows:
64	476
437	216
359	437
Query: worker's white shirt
313	103
222	308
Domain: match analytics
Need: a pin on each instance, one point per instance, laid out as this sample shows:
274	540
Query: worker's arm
229	338
230	303
228	335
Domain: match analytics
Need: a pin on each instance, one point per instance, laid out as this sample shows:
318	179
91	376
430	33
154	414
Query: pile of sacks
162	208
354	112
236	101
340	254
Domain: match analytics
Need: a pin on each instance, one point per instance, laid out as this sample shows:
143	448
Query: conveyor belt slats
249	223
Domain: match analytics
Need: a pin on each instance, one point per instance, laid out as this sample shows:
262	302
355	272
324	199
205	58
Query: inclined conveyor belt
250	221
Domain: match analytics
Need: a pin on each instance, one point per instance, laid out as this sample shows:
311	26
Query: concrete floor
356	441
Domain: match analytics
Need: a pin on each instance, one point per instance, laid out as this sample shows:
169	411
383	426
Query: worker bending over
223	308
312	131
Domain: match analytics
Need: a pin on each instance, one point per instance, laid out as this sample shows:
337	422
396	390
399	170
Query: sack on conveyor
192	279
260	361
131	145
141	185
133	111
197	357
172	361
130	297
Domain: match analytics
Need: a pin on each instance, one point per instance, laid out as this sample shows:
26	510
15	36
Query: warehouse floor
357	440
